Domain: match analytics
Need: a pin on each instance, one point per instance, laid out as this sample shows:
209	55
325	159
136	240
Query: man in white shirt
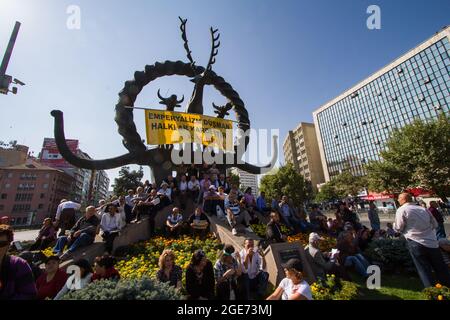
110	225
66	215
419	228
254	278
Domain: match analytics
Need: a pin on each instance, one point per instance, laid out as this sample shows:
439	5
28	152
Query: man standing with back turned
418	226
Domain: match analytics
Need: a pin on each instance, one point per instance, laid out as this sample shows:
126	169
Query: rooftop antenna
6	80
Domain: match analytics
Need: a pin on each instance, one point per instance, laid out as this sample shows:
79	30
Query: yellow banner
169	127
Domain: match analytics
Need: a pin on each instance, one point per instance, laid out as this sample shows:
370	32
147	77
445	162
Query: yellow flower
440	297
438	285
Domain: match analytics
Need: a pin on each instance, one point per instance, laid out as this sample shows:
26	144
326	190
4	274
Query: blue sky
285	58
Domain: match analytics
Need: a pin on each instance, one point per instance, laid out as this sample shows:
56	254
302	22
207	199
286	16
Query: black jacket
273	232
203	287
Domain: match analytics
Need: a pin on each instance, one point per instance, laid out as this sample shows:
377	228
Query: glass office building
352	128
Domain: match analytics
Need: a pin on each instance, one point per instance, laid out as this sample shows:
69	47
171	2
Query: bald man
419	228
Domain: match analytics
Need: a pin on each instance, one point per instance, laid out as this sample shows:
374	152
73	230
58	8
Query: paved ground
385	218
25	235
32	234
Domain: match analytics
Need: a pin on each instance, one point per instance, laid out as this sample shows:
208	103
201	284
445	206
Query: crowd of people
235	275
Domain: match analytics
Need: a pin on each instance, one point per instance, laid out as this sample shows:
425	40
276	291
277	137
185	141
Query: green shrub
391	255
438	292
333	288
126	289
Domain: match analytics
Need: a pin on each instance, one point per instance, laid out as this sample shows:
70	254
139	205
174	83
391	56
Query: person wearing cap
86	273
165	194
52	280
227	273
199	222
200	277
4	220
174	223
16	277
293	287
255	279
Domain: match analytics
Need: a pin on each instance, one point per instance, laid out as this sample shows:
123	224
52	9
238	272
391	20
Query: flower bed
141	259
333	288
438	292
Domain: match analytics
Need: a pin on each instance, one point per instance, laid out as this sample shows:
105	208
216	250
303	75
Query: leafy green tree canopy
127	180
417	155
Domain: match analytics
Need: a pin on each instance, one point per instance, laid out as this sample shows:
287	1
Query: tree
343	185
347	184
285	181
327	193
127	180
416	155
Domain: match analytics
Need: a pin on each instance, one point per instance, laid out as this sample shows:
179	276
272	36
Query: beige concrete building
301	149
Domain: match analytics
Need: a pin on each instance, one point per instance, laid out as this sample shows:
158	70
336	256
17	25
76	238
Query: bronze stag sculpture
159	157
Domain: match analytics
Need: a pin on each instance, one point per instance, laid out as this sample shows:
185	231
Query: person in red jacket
52	280
104	268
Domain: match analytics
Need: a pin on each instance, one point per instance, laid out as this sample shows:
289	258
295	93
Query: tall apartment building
247	180
89	185
353	127
30	191
301	149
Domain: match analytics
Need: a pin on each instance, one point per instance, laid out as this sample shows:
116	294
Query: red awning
416	192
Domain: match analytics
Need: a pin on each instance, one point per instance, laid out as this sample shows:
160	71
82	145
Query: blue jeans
440	231
258	284
427	259
359	262
83	240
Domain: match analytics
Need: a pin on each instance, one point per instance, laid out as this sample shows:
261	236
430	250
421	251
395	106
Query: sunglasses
4	243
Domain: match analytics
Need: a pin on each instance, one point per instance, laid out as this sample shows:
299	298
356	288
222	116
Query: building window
42	195
10	175
7	185
4	195
41	206
2	207
45	186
